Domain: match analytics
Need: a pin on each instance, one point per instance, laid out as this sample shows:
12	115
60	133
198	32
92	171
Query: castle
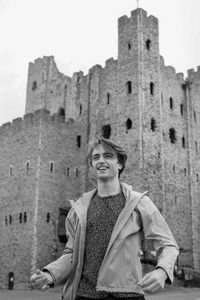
135	100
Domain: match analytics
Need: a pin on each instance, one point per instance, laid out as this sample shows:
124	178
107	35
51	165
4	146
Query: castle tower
139	100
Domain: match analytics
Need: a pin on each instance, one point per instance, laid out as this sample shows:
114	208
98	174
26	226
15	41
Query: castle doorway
11	281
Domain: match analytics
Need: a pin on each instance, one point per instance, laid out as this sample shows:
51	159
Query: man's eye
95	157
108	155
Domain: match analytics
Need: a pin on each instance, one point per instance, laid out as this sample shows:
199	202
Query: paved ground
167	294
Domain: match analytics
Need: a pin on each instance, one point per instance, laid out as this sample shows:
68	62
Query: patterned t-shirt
101	218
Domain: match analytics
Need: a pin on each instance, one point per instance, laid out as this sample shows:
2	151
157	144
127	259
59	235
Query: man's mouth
102	168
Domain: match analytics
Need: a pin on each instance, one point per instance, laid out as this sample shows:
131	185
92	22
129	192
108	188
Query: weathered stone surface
43	157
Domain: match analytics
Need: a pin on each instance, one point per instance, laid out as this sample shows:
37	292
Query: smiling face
105	163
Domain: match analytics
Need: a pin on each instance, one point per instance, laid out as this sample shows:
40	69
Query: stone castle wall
135	100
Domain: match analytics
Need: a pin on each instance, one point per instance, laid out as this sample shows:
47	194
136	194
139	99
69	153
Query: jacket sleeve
156	229
61	268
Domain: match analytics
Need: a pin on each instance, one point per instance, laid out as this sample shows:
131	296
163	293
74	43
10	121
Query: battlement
134	14
110	62
32	120
193	75
171	70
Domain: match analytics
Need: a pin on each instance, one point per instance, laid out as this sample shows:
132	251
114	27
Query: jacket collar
82	204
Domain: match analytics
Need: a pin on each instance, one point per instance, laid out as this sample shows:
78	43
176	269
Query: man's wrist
163	271
50	278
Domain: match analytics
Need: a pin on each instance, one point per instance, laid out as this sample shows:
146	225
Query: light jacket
121	267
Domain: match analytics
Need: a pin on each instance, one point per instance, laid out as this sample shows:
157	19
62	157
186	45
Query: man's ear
120	166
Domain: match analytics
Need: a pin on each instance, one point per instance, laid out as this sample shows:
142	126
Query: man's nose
101	158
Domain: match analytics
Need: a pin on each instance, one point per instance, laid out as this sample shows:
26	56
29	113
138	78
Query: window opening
172	135
129	87
196	147
195	117
129	45
34	85
61	111
174	169
175	199
20	218
185	171
78	140
183	142
128	124
197	176
108	98
153	124
51	167
10	219
11	170
171	102
27	165
48	217
106	131
148	44
151	88
77	172
181	108
162	98
80	109
25	217
68	172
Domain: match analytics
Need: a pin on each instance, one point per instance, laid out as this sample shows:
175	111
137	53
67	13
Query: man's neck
107	188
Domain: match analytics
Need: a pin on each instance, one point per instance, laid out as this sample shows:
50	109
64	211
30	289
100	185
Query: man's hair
111	147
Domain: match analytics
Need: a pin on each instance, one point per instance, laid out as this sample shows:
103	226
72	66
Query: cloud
12	102
3	4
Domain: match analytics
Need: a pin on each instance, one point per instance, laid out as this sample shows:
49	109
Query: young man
104	227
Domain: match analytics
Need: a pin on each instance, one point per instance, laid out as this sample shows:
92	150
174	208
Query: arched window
20	218
78	140
183	142
34	85
129	87
10	219
61	111
171	104
51	167
148	44
80	109
68	172
153	124
129	45
108	98
25	217
196	147
106	131
48	217
195	117
181	109
152	87
128	124
172	135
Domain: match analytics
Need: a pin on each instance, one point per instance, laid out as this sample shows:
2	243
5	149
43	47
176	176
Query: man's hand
153	281
41	280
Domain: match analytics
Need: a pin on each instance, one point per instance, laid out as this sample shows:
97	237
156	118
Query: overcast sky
82	33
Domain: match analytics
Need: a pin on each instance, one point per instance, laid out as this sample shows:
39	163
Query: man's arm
59	269
156	229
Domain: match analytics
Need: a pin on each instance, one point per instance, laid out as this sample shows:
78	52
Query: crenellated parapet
193	75
32	120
